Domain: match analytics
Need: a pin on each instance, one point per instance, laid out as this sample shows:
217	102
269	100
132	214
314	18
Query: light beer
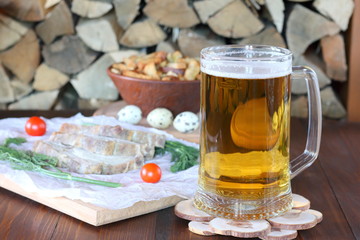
245	169
245	137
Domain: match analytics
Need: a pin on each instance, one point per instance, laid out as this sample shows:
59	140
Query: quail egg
130	114
160	118
186	122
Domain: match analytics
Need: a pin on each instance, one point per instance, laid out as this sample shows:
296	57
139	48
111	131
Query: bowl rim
110	73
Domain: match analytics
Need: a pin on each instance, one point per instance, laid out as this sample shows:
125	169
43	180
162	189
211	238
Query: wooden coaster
299	202
201	228
243	229
280	234
278	228
186	210
294	220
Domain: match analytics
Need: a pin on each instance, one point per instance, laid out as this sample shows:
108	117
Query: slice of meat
103	145
152	139
82	161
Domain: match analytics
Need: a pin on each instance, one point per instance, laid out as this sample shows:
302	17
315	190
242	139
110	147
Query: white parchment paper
182	184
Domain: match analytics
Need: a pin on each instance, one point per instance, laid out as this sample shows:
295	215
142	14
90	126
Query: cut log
244	229
253	6
20	88
4	3
68	54
235	21
294	220
30	10
186	210
299	107
23	58
207	8
191	41
3	106
280	234
11	31
38	101
126	11
166	46
269	36
58	23
6	92
47	79
171	13
300	203
276	9
51	3
201	228
330	104
299	85
95	76
91	104
338	10
305	27
100	34
91	8
143	34
121	55
333	52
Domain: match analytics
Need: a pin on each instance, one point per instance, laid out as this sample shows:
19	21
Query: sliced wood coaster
283	227
317	214
201	228
280	234
294	220
300	203
186	210
244	229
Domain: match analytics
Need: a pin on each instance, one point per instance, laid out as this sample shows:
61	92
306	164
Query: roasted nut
173	57
159	66
193	70
133	74
119	66
178	65
150	70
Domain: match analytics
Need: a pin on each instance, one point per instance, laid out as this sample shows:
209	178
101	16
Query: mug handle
303	161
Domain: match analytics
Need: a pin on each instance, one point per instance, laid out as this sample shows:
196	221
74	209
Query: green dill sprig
182	155
16	141
36	162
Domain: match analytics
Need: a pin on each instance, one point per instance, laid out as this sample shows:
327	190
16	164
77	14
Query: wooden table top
332	184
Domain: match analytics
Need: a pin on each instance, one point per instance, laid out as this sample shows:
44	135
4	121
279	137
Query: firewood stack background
54	53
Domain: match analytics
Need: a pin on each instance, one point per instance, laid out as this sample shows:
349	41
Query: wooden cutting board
90	213
87	212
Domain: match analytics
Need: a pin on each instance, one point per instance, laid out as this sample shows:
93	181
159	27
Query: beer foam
254	69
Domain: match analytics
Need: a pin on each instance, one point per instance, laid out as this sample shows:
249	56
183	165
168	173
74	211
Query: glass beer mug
245	169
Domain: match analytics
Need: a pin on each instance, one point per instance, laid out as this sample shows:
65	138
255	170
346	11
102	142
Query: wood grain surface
332	185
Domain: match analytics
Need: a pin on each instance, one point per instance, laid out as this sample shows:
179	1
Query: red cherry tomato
150	173
35	126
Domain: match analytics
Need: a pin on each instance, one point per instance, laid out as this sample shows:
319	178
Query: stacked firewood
54	53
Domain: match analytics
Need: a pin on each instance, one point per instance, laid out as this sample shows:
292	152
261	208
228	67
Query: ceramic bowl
177	96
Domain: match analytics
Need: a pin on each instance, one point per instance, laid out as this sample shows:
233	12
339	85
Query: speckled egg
130	114
186	122
160	118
